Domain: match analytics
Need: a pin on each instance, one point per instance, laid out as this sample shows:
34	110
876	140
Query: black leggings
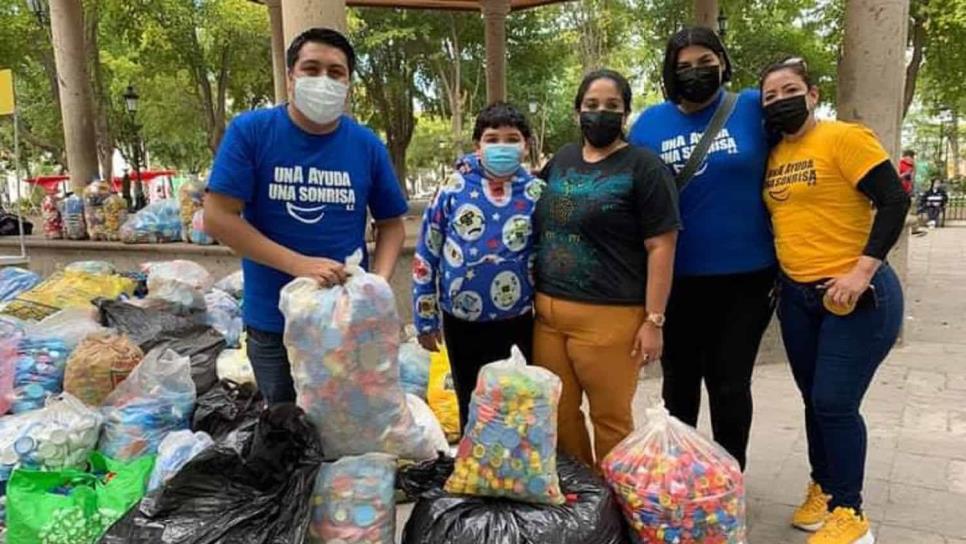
473	344
713	331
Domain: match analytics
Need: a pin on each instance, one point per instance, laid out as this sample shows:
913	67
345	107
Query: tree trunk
67	30
494	14
102	102
706	13
918	39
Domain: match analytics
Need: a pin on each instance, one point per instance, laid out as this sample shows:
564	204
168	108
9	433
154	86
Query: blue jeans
833	360
269	359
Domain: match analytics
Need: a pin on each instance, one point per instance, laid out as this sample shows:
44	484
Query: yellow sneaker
844	526
811	515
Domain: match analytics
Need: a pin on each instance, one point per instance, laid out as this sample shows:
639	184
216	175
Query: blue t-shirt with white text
307	192
725	225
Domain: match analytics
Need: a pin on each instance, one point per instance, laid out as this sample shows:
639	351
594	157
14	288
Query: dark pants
473	344
833	360
713	331
266	351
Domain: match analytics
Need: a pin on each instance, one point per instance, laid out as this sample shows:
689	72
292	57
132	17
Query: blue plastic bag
158	223
14	281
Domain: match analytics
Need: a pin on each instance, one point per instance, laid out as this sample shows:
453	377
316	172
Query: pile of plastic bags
158	397
343	345
676	486
157	223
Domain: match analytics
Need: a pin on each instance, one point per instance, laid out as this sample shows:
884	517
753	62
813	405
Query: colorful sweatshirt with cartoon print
474	259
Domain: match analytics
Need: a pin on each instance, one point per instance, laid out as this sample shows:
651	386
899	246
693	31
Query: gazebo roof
461	5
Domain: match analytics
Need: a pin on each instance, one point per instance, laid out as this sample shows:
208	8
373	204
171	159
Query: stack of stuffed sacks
158	397
343	346
50	214
157	223
354	501
191	198
104	211
75	227
675	486
60	435
41	356
509	448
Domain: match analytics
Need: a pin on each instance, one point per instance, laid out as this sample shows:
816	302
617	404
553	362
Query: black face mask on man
698	84
787	115
601	128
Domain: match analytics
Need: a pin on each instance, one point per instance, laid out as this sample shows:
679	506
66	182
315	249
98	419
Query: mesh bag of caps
676	486
509	448
343	344
104	212
98	365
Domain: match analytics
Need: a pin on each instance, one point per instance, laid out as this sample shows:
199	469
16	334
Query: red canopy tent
51	184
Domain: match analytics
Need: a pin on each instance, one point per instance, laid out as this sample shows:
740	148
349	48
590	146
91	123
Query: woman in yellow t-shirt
837	208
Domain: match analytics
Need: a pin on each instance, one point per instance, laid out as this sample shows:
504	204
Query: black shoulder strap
721	116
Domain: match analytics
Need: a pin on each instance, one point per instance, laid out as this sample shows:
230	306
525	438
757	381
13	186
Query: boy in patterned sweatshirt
473	267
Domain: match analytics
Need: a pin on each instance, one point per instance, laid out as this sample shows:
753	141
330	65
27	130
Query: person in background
907	171
472	271
837	207
933	202
606	228
724	267
289	192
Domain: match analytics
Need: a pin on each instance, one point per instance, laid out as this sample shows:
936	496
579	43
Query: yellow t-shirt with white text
820	218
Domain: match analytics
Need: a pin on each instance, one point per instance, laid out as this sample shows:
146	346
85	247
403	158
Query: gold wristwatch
655	320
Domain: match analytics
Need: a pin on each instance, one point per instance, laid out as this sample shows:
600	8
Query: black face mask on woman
787	115
601	128
699	84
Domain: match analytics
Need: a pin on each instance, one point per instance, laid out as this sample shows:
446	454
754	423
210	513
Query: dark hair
705	37
500	114
796	64
909	153
325	36
620	81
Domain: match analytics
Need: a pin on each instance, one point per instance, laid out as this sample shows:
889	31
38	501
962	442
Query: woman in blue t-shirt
720	303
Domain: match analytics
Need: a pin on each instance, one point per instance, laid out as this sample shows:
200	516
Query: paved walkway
915	490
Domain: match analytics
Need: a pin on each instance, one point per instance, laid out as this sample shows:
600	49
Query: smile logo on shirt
309	216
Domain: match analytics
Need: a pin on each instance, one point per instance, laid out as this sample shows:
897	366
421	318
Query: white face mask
321	99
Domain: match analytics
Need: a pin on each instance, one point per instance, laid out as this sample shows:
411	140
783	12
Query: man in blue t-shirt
290	189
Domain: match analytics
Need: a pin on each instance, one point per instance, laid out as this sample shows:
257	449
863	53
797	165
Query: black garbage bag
253	487
590	515
153	328
418	478
226	407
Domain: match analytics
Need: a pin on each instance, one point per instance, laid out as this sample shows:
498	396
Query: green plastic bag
73	506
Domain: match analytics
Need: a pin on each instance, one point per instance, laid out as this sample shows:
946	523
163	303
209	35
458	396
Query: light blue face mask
502	160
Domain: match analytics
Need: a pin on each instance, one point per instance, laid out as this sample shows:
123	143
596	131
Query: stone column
300	15
279	70
706	13
871	79
74	86
494	14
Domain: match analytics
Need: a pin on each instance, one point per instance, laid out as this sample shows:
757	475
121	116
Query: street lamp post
41	12
722	23
131	100
945	116
534	142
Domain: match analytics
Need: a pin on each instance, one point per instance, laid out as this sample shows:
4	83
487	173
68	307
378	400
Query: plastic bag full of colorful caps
509	448
191	197
198	234
104	212
354	501
98	365
50	215
75	228
676	486
42	353
157	223
158	397
343	343
181	283
58	436
414	368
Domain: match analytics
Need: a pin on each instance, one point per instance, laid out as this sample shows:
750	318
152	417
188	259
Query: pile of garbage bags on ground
136	420
101	214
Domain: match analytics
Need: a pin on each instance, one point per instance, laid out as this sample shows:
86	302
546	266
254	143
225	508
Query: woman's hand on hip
846	290
648	344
